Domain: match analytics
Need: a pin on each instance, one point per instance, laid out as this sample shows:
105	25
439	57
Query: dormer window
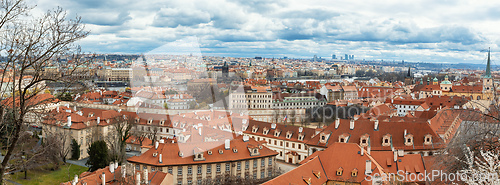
176	123
235	150
289	135
181	154
209	152
364	140
428	139
265	131
386	140
301	137
339	171
323	137
162	122
137	120
150	121
409	140
277	133
354	173
343	138
254	129
220	151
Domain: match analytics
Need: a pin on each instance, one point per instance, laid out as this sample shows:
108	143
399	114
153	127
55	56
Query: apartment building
85	125
251	97
384	133
192	163
287	140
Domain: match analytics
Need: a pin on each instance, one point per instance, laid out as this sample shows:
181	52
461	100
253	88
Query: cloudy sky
429	31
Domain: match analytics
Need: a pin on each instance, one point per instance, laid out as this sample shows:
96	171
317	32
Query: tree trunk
10	149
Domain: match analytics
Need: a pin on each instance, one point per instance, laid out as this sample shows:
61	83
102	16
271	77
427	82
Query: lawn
42	176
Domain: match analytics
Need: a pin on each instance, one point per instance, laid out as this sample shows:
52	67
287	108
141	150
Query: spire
409	72
488	68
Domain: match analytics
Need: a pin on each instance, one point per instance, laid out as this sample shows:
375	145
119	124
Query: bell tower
487	79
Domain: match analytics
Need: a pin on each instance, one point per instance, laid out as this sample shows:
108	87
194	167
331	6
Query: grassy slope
42	177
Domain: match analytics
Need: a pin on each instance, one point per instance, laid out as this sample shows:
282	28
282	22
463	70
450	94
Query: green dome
446	82
435	79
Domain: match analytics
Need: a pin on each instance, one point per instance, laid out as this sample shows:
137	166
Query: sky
447	31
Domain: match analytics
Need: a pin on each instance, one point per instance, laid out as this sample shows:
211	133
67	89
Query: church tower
408	78
487	79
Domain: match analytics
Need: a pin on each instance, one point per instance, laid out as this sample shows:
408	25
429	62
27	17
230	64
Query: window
144	167
179	170
190	182
262	173
270	161
322	137
169	170
190	170
281	143
255	176
152	169
227	167
238	166
137	167
300	146
255	163
217	168
199	181
262	162
247	164
179	182
286	144
269	173
209	168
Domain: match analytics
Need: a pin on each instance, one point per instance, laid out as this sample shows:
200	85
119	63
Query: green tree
75	150
98	155
165	105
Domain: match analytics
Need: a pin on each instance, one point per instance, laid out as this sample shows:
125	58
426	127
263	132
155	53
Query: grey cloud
174	18
106	18
261	5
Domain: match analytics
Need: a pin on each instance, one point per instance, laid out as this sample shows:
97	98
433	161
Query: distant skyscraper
315	58
346	56
352	57
334	57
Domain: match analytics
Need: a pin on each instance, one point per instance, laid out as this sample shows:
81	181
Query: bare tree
61	141
117	139
28	47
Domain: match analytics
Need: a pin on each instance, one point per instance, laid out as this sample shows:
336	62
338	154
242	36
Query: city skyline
453	32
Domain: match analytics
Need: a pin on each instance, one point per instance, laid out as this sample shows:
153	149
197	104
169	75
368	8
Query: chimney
199	130
246	138
103	178
362	151
146	180
98	120
429	121
67	105
337	123
369	149
395	156
227	144
156	145
111	167
351	126
160	159
368	167
75	180
162	141
57	109
138	179
392	100
74	108
69	121
405	133
376	125
116	165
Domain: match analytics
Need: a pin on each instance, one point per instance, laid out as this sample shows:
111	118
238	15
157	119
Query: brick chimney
111	167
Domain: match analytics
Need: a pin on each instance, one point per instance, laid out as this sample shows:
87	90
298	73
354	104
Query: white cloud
388	29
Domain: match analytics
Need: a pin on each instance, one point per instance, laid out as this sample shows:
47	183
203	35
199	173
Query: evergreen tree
75	150
98	155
